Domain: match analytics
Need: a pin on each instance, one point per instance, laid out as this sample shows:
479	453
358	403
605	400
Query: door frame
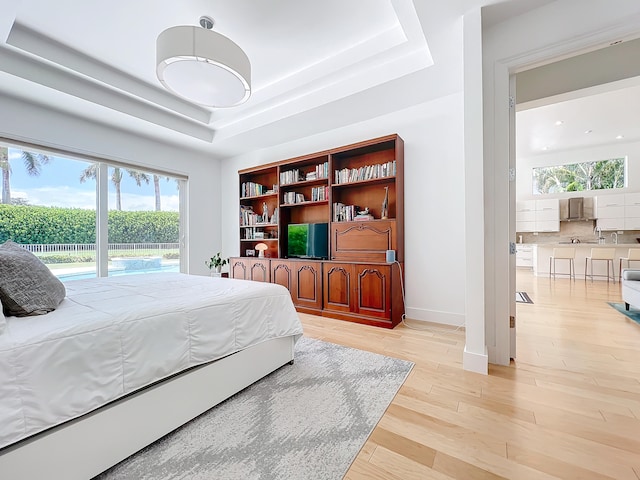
497	76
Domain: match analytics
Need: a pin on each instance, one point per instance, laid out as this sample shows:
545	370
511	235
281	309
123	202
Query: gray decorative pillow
27	286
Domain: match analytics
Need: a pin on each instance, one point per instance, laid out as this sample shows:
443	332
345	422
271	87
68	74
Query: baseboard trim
432	316
475	362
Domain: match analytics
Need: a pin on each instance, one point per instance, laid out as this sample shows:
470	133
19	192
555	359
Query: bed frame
84	447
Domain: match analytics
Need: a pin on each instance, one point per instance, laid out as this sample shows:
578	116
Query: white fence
90	248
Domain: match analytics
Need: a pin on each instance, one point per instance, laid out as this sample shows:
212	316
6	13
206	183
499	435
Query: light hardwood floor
568	407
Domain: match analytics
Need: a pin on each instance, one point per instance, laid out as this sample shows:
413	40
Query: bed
124	360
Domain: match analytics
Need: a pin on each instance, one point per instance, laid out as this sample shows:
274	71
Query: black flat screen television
308	240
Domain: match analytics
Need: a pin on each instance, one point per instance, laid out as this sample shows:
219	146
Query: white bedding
112	336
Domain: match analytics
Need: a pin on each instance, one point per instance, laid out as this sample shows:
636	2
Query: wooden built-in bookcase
355	282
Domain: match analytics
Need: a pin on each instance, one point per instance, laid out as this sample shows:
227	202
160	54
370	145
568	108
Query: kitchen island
542	252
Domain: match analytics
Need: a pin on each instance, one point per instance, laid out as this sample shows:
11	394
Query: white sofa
630	287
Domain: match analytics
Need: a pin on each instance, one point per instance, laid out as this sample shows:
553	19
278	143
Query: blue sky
59	185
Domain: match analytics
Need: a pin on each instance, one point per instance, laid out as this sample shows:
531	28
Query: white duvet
112	336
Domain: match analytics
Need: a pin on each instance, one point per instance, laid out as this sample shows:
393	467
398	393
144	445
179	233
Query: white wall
35	124
561	28
434	199
631	150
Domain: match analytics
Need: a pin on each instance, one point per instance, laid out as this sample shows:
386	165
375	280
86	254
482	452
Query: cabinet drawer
611	211
546	215
525	206
525	226
527	216
632	223
632	211
548	204
610	201
632	199
611	223
548	226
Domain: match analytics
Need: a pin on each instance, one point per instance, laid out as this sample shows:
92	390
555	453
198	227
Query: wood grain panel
566	407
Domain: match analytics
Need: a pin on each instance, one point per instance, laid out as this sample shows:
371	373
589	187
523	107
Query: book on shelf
363	218
249	217
251	189
319	194
366	172
344	213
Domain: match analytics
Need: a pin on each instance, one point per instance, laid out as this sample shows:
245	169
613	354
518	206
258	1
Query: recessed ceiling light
588	131
545	148
559	122
619	137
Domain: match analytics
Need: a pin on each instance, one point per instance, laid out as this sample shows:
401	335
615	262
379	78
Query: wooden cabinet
357	192
259	210
256	269
365	293
303	278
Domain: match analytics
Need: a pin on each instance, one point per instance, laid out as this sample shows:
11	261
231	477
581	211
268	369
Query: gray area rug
304	421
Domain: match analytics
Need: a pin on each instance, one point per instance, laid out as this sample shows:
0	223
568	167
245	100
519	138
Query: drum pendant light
203	66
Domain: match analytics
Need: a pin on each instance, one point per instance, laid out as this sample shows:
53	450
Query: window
48	205
597	175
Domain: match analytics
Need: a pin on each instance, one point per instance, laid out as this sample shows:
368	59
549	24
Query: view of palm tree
49	212
575	177
33	164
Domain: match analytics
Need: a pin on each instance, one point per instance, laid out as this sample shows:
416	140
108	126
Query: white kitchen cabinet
524	255
526	216
610	211
632	211
538	215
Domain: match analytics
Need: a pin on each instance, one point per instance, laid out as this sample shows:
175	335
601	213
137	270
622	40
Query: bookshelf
358	190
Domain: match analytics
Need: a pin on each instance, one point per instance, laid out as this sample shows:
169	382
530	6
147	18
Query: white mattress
112	336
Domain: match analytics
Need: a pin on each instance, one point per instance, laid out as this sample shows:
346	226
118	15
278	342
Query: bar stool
632	256
606	254
563	254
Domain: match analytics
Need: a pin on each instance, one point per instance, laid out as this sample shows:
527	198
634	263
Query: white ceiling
582	119
97	59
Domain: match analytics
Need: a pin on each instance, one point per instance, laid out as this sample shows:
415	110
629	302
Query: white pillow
3	320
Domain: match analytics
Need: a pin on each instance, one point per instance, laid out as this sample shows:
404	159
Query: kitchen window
577	177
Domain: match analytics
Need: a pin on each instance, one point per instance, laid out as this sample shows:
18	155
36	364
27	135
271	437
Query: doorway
585	119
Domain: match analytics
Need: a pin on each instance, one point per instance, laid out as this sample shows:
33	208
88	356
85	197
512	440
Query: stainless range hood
576	209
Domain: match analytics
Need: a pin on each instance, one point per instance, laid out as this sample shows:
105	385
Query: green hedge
31	224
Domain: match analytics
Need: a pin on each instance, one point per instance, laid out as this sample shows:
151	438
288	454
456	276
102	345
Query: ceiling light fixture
588	131
203	66
619	137
559	122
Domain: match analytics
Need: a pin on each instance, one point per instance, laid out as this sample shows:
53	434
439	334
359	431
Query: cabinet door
338	287
282	274
240	268
259	271
529	226
373	292
548	226
307	284
611	223
548	204
525	206
610	206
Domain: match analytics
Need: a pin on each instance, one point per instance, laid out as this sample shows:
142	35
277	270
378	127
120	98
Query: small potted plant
215	264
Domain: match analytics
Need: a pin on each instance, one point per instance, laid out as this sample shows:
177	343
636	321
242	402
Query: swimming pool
116	272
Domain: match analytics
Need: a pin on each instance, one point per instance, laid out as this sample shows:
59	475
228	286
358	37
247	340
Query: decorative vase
384	213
